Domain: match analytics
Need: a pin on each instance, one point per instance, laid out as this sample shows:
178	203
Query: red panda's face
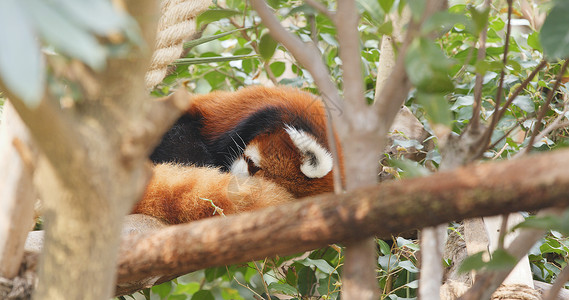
290	157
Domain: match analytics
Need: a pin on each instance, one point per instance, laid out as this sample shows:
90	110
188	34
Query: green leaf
212	15
278	68
163	290
409	266
274	3
321	264
282	288
303	8
372	8
98	16
206	39
554	34
205	60
291	278
525	103
472	263
21	64
213	273
385	28
202	86
480	18
533	41
386	5
413	284
327	286
557	223
383	247
444	21
417	8
410	168
501	259
437	108
65	36
203	295
388	262
188	288
306	281
462	101
267	46
428	67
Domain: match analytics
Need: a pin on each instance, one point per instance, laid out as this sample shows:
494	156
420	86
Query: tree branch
473	191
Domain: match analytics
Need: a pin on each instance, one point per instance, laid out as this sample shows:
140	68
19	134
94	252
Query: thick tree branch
530	183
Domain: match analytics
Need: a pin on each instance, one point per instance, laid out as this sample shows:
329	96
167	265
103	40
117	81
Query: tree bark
95	166
473	191
17	193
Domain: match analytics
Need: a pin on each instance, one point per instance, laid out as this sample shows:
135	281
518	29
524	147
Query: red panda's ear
316	160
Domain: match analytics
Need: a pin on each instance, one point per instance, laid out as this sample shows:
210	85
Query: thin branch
556	124
488	133
545	108
475	120
309	57
520	88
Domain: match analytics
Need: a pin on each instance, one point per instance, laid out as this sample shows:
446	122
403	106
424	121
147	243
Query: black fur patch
184	143
232	143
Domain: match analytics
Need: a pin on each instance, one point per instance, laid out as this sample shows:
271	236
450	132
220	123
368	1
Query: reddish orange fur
180	194
223	110
175	192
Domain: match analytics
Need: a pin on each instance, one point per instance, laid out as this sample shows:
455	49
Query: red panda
240	151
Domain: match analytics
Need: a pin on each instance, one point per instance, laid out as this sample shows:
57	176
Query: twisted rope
516	292
177	23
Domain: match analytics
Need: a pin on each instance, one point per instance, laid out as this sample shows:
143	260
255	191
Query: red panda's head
291	157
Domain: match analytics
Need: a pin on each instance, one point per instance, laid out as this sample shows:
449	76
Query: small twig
247	287
475	120
309	57
501	112
488	134
262	279
545	108
216	209
559	283
554	125
520	88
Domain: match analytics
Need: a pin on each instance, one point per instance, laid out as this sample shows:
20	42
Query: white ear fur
239	167
317	161
252	152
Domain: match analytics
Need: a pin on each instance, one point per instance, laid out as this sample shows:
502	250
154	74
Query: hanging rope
177	23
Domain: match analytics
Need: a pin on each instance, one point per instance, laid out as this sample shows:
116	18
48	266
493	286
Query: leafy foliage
69	27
